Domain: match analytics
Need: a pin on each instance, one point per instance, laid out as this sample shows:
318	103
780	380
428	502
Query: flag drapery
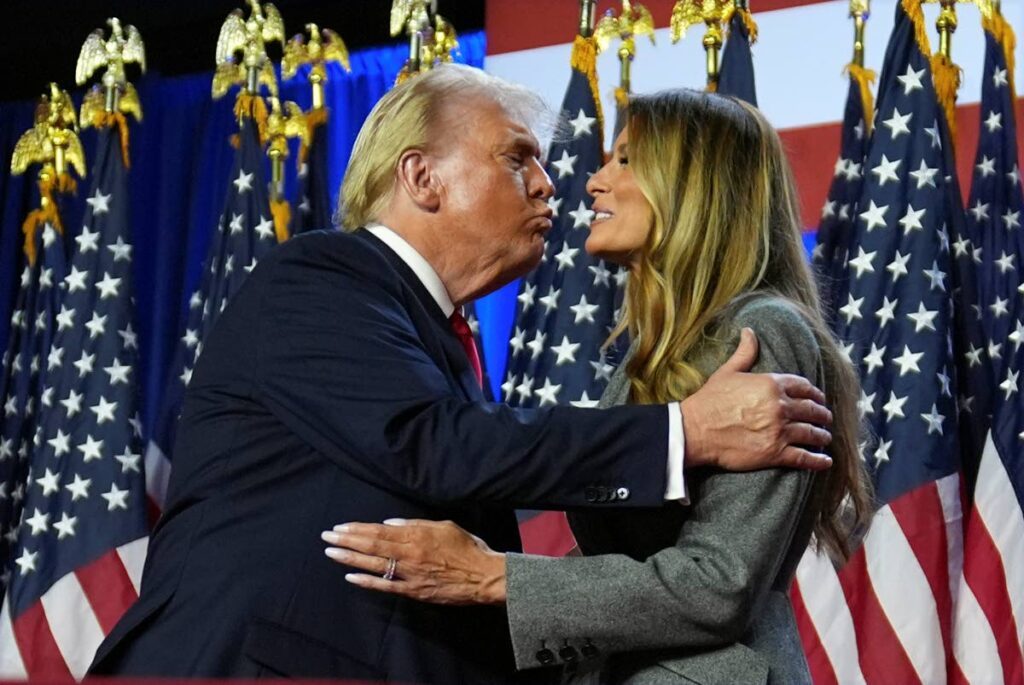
887	615
989	625
837	216
244	234
736	76
566	306
77	560
314	194
26	357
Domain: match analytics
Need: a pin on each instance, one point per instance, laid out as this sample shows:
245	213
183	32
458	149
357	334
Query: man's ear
416	178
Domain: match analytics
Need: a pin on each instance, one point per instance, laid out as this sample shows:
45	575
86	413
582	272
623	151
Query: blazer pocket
287	653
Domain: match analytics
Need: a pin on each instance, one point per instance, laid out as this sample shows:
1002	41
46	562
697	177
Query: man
341	385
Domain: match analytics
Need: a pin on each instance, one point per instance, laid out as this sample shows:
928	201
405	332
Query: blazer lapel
456	362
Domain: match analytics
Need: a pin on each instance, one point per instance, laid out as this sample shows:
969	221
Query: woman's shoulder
785	336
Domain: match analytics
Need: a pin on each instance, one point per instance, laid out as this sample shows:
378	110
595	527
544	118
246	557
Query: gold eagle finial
634	20
53	139
248	37
115	93
414	17
324	46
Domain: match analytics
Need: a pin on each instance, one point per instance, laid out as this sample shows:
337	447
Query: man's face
493	190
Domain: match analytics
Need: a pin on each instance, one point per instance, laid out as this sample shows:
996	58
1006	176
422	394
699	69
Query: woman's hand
435	562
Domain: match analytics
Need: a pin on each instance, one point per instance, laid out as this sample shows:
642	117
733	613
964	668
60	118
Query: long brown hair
726	226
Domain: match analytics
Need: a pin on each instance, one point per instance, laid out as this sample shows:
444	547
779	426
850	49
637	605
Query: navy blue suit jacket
332	389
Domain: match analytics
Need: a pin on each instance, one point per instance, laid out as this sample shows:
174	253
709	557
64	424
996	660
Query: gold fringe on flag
47	212
945	74
314	119
104	119
864	77
584	60
282	213
996	24
748	21
254	107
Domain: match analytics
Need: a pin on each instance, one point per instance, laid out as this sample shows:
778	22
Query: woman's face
623	217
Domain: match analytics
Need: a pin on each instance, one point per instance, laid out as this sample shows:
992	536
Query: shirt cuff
676	483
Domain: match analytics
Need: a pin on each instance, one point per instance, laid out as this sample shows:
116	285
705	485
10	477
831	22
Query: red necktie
465	336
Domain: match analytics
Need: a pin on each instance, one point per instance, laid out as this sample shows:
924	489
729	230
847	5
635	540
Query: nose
540	186
597	183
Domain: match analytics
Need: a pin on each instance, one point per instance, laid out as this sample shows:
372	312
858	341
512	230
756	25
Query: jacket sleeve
698	594
341	363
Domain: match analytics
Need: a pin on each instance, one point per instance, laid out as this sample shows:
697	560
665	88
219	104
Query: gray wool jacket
683	594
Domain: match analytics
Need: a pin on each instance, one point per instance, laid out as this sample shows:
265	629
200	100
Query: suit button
568	654
589	650
546	657
590	493
622	493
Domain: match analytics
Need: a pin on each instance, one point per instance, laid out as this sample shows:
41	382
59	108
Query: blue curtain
180	158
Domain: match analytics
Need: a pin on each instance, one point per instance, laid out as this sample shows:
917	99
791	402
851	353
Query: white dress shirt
676	486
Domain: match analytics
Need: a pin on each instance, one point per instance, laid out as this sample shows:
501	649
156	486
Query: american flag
244	234
566	306
24	363
886	617
837	216
989	625
736	75
79	549
314	194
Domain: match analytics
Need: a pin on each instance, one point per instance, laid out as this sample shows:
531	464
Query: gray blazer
683	594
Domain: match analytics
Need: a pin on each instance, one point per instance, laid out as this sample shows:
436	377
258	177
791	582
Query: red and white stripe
886	617
58	636
989	642
799	57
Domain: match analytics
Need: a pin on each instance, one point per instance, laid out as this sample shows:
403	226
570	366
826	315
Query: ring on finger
389	573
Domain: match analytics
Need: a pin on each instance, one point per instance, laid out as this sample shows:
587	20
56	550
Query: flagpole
859	11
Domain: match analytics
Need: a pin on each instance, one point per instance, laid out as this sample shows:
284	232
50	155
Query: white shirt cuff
676	483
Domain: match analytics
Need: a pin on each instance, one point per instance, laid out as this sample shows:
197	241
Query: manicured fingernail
330	536
341	528
335	553
353	578
394	522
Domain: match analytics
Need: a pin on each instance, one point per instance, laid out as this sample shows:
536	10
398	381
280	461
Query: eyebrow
524	144
623	149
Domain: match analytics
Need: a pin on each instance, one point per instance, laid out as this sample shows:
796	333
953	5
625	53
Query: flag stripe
133	556
158	473
39	650
986	626
820	667
108	588
75	628
904	593
11	665
975	647
827	609
549	21
996	504
880	653
547	533
921	517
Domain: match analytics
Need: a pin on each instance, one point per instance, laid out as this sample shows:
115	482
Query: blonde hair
410	116
726	226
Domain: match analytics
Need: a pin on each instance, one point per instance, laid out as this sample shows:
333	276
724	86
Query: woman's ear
416	178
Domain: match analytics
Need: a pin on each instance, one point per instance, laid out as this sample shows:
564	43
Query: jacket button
590	493
546	657
589	650
622	493
568	654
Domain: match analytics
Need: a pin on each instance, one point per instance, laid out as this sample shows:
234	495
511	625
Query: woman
698	203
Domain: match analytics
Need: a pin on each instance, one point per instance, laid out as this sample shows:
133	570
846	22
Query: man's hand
741	421
432	561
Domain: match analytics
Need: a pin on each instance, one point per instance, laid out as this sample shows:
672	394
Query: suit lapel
445	344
